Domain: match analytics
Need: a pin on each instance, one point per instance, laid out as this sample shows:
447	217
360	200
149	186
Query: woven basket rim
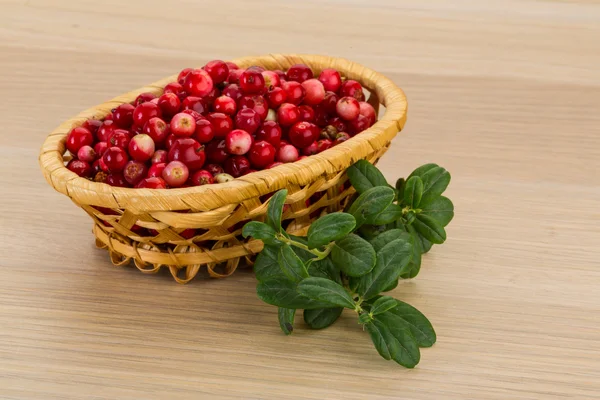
210	197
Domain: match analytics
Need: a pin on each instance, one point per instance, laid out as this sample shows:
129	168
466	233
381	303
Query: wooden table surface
504	94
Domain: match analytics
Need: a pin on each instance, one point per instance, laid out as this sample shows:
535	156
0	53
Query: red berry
321	116
233	91
231	65
331	79
204	131
271	79
288	114
287	154
310	149
134	172
123	116
159	156
262	153
176	89
214	169
215	151
218	71
157	129
196	104
283	143
358	124
252	81
315	92
341	137
237	165
99	176
338	124
275	164
221	124
257	68
302	158
323	145
198	83
100	148
152	183
184	72
270	131
281	75
86	153
368	111
329	102
238	142
92	125
299	73
306	113
102	164
257	103
276	97
302	134
294	92
248	120
223	177
234	76
108	117
189	152
353	89
156	170
183	125
225	105
143	98
169	104
141	147
136	129
115	159
81	168
347	108
170	140
175	173
77	138
120	138
116	179
202	177
144	112
196	115
212	96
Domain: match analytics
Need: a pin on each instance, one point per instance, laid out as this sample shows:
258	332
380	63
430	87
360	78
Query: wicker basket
218	212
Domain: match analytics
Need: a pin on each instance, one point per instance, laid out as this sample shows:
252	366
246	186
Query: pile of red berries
218	123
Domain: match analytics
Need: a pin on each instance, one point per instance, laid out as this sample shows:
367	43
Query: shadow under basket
187	229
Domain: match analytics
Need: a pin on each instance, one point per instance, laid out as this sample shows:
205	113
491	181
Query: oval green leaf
353	255
275	209
322	317
330	228
363	176
413	192
429	228
383	304
435	181
407	317
327	291
282	293
286	319
440	209
291	265
370	203
261	231
392	213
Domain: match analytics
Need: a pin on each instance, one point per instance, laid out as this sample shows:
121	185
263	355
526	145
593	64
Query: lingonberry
287	154
202	177
331	79
137	129
306	113
271	115
238	142
294	92
120	138
321	116
315	92
257	103
123	115
368	111
92	125
99	176
212	96
215	151
116	179
134	172
288	114
100	148
233	90
221	124
323	145
299	73
159	156
144	112
157	129
189	152
358	124
175	173
115	159
302	158
341	137
77	138
214	169
237	166
141	147
347	108
223	177
195	103
108	117
225	105
302	134
271	79
204	131
183	125
231	65
257	68
234	75
252	81
198	83
353	89
102	164
156	170
248	120
169	104
81	168
338	123
195	114
218	71
281	75
184	72
271	132
176	89
329	102
262	153
87	153
170	140
282	143
310	149
143	98
275	164
152	183
276	97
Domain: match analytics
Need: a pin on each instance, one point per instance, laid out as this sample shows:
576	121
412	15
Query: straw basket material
145	224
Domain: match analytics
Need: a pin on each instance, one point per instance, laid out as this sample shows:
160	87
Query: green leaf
400	185
322	317
275	209
392	213
425	244
325	269
406	348
407	317
304	255
363	176
291	265
261	231
441	209
385	343
415	262
413	192
266	265
283	293
371	231
353	255
371	203
388	236
435	181
422	170
429	228
330	228
286	319
383	304
325	290
393	286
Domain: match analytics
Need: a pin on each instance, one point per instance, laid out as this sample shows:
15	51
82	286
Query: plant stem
320	254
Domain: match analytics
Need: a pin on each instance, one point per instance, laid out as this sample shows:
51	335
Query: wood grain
504	94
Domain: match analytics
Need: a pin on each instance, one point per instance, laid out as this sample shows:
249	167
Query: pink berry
331	79
299	73
189	152
176	89
302	134
358	124
100	148
115	159
353	89
311	149
368	111
330	102
232	90
92	125
215	151
238	142
270	131
204	131
271	79
221	124
287	154
152	183
252	82
262	153
306	113
198	83
288	114
231	65
120	138
77	138
181	77
237	166
175	173
218	71
141	147
134	172
144	112
194	103
183	125
248	120
86	153
116	179
214	169
347	108
225	105
156	170
159	156
81	168
315	92
157	129
169	104
257	68
323	145
202	177
276	97
143	98
294	92
257	103
223	177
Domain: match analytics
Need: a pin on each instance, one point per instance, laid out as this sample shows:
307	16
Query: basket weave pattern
316	185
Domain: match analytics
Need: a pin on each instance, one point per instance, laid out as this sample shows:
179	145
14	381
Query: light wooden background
504	94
